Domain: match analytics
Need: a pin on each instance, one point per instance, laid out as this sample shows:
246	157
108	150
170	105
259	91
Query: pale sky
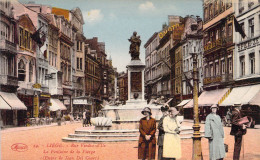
113	21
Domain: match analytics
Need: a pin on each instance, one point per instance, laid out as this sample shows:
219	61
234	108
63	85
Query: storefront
10	106
80	104
44	103
248	97
205	100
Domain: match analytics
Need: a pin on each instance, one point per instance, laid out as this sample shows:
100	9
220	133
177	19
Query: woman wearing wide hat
215	133
147	140
172	140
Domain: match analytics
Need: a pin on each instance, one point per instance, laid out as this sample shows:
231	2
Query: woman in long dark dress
147	140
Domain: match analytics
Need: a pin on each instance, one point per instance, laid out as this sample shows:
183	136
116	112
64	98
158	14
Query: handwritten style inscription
19	147
63	151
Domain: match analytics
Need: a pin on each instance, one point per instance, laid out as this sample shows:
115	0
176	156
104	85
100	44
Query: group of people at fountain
169	141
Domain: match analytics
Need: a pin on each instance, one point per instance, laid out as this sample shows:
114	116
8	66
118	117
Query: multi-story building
78	67
176	73
122	83
11	109
111	79
40	21
99	47
158	65
55	81
192	40
218	54
151	66
246	60
218	44
92	77
65	51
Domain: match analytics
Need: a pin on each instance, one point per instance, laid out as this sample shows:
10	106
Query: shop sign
37	85
45	95
66	101
35	106
80	101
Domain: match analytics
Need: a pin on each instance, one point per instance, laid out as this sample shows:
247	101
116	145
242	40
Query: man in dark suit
161	133
238	130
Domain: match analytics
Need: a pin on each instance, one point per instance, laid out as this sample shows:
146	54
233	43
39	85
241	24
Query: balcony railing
213	45
210	80
218	79
8	80
7	45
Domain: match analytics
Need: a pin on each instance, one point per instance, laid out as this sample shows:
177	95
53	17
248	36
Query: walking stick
243	148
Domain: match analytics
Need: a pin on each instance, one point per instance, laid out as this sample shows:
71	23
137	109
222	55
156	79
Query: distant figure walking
215	133
58	114
84	118
161	133
228	117
238	130
147	140
88	116
172	140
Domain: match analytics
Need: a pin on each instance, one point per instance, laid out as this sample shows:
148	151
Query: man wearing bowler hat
147	140
238	130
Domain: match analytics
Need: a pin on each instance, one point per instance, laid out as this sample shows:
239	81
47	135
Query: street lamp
196	152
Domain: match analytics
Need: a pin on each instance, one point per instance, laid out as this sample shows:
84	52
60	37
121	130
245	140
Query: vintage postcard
130	79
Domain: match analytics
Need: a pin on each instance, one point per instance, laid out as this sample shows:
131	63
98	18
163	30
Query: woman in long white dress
172	141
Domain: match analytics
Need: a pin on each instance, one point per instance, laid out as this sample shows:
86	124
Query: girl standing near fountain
147	140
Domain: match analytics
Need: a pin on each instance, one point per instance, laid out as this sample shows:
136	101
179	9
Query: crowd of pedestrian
169	142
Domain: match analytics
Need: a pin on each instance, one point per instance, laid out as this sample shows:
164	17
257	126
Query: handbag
226	147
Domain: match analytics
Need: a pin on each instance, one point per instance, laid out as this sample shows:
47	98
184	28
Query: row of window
251	63
154	58
92	69
218	33
25	39
152	46
65	51
251	28
218	68
218	6
22	71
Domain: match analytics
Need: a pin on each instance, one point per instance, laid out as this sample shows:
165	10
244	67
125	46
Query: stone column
129	84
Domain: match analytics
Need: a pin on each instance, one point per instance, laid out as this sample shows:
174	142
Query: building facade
192	42
8	63
246	61
151	66
218	44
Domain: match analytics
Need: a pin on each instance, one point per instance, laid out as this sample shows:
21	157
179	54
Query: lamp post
196	152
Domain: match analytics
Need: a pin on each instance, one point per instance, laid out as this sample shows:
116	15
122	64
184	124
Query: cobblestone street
44	143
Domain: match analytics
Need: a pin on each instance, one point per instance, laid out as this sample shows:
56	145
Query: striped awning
208	98
241	95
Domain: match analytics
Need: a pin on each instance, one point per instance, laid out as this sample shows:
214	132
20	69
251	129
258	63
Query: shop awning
241	95
183	102
255	100
208	98
57	104
13	101
4	105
